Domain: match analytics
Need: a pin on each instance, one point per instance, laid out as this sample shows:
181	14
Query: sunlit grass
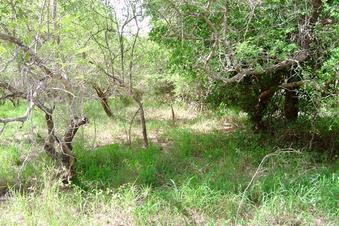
193	173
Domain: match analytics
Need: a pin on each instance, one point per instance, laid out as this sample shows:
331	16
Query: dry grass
196	177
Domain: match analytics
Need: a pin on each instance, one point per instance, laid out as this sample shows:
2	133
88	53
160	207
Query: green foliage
9	158
330	66
195	171
250	36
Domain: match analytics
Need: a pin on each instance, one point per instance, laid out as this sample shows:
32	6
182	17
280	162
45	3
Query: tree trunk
130	128
49	145
104	101
105	105
66	156
263	100
143	123
291	107
173	114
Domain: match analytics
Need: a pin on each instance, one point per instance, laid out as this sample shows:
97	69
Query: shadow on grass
223	161
320	135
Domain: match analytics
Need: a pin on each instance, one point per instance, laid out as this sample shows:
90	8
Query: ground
195	172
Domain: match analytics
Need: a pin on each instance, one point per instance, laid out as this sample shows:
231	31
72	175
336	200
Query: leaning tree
117	35
56	55
35	68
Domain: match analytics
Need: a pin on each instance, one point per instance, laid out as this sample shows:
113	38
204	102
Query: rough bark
104	101
291	107
143	124
130	127
49	145
66	156
263	100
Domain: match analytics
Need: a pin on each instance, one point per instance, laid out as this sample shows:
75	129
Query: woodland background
164	112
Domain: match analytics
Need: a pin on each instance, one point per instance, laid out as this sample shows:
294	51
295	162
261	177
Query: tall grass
191	177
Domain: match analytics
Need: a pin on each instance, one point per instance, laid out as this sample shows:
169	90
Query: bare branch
28	112
299	57
37	60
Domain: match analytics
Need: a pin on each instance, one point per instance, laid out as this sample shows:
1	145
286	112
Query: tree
38	75
117	36
63	68
258	50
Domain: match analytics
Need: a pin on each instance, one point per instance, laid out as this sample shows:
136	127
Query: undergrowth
188	177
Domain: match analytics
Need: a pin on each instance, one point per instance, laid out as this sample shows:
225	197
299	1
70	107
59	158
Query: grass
193	173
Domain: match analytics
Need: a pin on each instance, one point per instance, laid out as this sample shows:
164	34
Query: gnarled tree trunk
66	155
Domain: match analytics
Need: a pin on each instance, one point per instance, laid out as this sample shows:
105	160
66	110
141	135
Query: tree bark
263	100
143	124
49	145
130	128
104	101
66	157
173	114
291	107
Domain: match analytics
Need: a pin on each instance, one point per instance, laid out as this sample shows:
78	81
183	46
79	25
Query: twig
276	153
3	128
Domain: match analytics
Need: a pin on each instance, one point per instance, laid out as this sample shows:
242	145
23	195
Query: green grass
190	178
9	158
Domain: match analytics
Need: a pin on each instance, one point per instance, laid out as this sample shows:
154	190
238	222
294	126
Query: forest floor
205	169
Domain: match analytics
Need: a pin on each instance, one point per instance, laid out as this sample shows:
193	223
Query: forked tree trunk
66	155
104	101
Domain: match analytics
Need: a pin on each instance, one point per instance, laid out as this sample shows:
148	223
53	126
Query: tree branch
38	61
298	58
29	110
